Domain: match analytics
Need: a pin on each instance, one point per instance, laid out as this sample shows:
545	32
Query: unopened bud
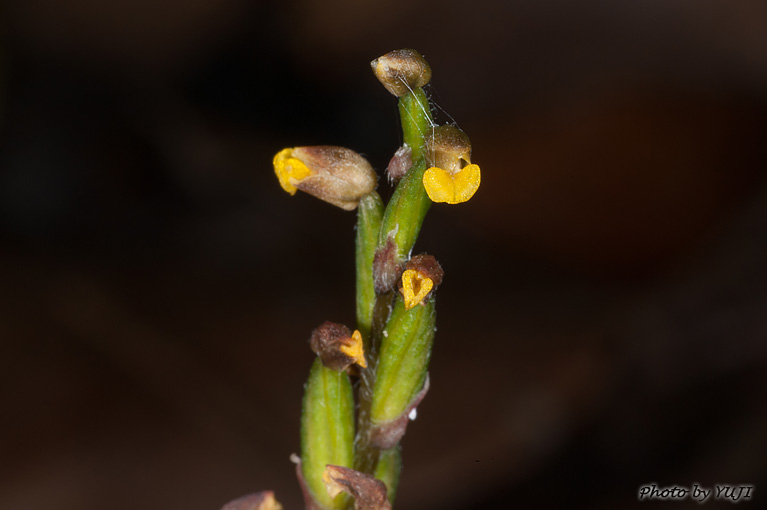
336	175
337	346
387	267
401	71
400	163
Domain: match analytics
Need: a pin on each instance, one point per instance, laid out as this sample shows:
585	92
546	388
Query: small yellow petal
289	170
466	183
415	287
439	185
355	350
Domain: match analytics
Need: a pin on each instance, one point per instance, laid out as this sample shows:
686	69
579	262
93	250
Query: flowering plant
364	385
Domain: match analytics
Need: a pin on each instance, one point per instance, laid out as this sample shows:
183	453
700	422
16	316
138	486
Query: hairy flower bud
401	71
336	175
400	163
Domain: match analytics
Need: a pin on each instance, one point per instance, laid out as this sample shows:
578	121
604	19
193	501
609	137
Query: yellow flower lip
290	171
452	188
415	287
354	349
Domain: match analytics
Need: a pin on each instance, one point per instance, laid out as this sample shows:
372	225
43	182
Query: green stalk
408	205
388	470
401	222
416	120
369	214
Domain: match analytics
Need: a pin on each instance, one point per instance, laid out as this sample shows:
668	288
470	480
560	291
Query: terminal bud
401	71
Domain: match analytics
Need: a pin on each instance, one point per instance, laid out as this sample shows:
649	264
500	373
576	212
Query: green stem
415	116
401	221
369	214
409	204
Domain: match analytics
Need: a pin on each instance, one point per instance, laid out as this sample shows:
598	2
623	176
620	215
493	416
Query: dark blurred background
603	321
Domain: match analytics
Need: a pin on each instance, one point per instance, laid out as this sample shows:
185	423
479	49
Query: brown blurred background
603	321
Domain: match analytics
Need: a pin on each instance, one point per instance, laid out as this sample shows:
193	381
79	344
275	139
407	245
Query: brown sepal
387	268
448	148
400	163
386	435
428	266
263	500
369	493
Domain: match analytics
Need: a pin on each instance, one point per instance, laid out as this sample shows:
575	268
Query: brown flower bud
448	148
400	163
337	346
387	268
336	175
400	71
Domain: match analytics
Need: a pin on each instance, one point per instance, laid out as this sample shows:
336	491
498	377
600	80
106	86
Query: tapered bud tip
336	175
337	346
401	71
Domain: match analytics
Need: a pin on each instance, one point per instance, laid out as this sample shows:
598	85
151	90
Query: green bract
327	429
403	360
